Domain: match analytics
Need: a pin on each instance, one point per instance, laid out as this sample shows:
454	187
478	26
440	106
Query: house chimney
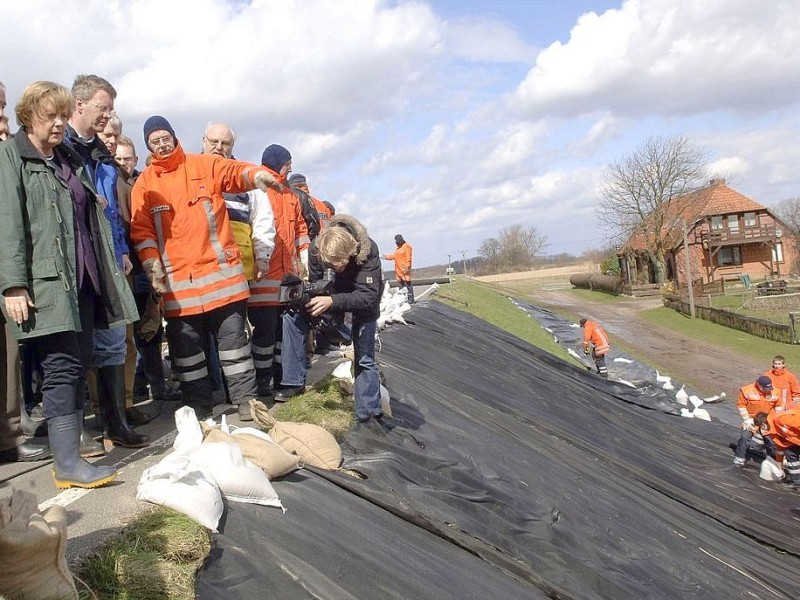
717	181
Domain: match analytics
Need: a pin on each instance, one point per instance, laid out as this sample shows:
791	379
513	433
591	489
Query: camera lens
294	294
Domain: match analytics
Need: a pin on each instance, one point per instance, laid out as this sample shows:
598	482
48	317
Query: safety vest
179	216
755	402
291	236
784	427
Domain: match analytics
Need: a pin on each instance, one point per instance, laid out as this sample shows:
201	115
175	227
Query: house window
733	223
716	222
750	219
729	255
777	252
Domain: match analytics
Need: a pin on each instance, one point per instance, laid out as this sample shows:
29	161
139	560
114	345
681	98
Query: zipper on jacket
58	245
55	208
64	281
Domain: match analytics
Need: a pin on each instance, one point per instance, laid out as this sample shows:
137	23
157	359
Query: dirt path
703	366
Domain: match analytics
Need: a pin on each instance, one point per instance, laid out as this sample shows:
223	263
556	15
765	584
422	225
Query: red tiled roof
715	199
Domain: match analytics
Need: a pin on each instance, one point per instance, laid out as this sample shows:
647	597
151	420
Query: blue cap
157	123
765	383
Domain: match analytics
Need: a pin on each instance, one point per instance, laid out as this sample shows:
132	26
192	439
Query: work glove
747	424
155	275
262	268
264	180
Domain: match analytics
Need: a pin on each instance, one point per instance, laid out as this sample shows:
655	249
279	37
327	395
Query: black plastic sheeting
512	474
626	369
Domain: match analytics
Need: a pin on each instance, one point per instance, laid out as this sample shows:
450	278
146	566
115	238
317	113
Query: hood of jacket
358	231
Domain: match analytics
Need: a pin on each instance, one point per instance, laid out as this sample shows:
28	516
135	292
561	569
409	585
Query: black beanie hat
157	123
398	239
297	179
275	157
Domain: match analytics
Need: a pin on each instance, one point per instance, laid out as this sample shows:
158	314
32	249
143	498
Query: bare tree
637	191
515	247
788	211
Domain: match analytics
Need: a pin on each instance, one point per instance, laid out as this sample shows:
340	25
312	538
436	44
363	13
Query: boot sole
127	445
63	484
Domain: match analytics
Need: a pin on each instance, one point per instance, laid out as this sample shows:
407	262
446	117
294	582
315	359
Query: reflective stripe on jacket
593	333
751	398
291	236
784	427
786	385
180	217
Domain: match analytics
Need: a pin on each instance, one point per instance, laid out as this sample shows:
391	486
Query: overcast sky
444	120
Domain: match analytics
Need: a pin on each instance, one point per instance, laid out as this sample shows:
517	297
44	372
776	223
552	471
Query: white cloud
483	40
670	56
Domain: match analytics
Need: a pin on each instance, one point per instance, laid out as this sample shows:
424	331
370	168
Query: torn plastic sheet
513	474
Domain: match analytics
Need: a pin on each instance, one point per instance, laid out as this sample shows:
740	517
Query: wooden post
688	270
794	317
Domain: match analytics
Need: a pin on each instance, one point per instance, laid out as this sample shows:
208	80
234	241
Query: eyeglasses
105	110
223	143
164	140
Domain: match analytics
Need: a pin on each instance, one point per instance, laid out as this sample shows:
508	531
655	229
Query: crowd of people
97	255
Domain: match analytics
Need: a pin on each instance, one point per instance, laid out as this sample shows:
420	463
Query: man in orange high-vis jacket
595	342
754	398
182	234
289	256
784	431
784	382
402	257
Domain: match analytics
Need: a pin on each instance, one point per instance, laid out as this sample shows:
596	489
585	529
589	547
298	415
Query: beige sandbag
314	444
32	544
269	456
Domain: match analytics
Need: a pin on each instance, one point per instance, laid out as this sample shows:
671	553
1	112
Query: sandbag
182	485
267	455
32	545
314	444
771	470
238	479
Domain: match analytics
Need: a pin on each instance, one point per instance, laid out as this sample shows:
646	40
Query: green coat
38	248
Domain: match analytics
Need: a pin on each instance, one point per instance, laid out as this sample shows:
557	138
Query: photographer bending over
346	248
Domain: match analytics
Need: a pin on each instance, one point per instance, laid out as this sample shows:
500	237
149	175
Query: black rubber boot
30	427
88	446
69	469
111	392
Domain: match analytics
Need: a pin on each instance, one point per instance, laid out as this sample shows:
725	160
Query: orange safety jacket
178	215
784	427
291	237
754	401
593	333
324	214
402	261
786	384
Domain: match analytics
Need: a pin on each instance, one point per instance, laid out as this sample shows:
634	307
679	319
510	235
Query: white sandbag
771	470
343	370
189	433
180	484
682	396
685	412
701	413
696	401
238	479
386	405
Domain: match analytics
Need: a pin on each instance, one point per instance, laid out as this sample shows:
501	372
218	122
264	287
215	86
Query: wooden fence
762	328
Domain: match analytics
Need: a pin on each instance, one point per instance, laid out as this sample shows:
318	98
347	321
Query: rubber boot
69	469
111	385
30	427
88	446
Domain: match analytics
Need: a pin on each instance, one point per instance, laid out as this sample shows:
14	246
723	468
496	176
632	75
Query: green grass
155	557
724	337
490	304
323	405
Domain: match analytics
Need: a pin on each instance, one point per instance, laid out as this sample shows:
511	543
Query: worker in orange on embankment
784	430
402	258
595	342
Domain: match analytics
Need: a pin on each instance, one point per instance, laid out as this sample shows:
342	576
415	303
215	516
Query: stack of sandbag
313	444
256	446
32	545
343	373
394	302
195	476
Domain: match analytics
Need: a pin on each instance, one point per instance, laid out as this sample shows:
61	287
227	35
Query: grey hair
115	122
86	86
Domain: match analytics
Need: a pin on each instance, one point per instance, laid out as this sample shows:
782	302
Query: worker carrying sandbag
595	342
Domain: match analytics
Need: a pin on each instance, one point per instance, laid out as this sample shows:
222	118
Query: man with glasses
94	107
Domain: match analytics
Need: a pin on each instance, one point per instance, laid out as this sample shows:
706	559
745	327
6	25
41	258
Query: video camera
296	293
